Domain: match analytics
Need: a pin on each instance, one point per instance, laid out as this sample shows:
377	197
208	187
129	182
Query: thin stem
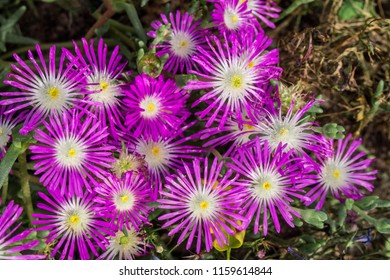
25	185
228	253
364	215
5	190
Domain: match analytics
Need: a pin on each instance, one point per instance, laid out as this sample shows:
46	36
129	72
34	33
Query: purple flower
263	10
202	203
101	83
71	153
124	201
44	90
154	107
184	39
235	76
232	135
7	123
125	245
342	173
272	179
12	246
74	224
163	155
233	16
293	130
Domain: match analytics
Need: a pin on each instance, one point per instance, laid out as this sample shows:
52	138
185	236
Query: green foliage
313	217
10	32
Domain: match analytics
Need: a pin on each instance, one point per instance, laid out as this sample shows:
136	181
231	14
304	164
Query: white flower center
51	95
182	44
202	205
266	185
334	174
127	246
76	217
232	19
157	154
103	88
70	152
151	107
124	200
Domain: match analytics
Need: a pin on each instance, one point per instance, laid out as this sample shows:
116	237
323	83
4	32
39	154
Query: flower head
71	153
125	245
342	173
154	107
74	224
271	180
263	10
233	16
235	77
183	41
45	89
101	81
12	246
293	130
124	201
163	155
202	203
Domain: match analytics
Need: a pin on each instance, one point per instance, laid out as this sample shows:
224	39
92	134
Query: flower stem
5	190
364	215
228	252
25	185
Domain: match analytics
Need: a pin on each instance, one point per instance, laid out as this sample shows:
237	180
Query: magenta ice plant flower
12	246
71	153
233	16
202	204
102	74
154	106
292	129
163	155
185	37
272	180
263	9
46	89
343	174
124	201
234	77
73	224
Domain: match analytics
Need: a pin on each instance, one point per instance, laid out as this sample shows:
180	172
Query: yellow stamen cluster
266	185
71	152
336	174
124	198
103	85
283	132
53	92
204	205
155	151
236	82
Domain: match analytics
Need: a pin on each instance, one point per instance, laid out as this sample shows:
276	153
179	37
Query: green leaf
133	17
367	202
9	159
350	9
13	19
144	2
383	225
382	203
297	222
349	203
309	248
342	214
313	217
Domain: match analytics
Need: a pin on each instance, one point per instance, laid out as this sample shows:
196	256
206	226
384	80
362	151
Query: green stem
364	215
228	252
25	185
5	190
